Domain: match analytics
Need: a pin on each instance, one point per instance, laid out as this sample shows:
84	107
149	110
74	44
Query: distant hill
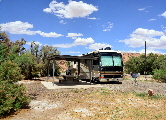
126	56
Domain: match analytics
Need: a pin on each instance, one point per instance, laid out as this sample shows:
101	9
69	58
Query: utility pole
145	61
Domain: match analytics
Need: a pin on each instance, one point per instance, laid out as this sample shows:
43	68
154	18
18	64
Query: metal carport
70	58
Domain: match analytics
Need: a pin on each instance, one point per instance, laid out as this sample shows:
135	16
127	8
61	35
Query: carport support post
48	70
90	71
53	67
78	68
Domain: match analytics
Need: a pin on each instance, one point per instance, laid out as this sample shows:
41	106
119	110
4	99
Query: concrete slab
49	85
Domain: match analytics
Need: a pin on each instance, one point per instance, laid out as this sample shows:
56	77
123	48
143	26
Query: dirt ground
61	104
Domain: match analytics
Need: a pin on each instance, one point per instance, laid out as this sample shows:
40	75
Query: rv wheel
95	80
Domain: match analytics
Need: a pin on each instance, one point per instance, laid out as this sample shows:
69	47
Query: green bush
26	63
10	72
160	74
12	97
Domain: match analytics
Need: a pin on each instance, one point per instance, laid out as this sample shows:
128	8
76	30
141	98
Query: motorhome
108	66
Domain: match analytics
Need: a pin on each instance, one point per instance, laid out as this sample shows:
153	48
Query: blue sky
77	27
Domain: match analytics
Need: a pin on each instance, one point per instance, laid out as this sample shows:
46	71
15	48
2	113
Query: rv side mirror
100	63
127	65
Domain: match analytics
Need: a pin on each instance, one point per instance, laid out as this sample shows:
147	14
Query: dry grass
104	104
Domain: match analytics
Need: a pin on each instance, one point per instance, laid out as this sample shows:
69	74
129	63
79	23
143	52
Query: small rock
150	92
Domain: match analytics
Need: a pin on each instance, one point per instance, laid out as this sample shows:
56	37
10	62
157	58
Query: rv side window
96	62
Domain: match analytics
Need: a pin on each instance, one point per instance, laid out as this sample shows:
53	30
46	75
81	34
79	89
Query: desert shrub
12	97
10	72
160	74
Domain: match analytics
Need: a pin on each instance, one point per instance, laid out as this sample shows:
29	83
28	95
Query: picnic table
67	78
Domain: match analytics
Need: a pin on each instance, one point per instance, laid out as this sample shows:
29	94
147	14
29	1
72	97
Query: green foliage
135	64
155	65
160	74
27	64
159	68
141	64
45	52
10	72
2	53
141	94
12	97
68	63
16	63
145	95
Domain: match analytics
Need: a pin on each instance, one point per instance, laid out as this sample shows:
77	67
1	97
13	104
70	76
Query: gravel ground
50	104
130	86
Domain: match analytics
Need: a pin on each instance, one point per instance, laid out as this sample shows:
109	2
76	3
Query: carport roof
70	58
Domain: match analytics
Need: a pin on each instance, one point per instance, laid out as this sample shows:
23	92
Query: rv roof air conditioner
107	48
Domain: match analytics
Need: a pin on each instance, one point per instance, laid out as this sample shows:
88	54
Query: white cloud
140	35
107	30
152	19
47	10
18	27
72	52
108	26
163	14
146	32
93	18
37	43
51	34
97	46
164	28
67	45
148	50
62	22
74	35
141	9
78	41
83	41
71	10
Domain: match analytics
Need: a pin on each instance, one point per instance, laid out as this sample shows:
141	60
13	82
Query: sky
79	26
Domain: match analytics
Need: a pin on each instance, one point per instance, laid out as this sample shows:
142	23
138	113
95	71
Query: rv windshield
111	61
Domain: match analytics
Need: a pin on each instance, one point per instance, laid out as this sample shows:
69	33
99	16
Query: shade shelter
70	58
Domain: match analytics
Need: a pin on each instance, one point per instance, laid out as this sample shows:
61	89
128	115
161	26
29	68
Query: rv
107	66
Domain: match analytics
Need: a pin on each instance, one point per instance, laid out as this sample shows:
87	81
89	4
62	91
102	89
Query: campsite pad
57	85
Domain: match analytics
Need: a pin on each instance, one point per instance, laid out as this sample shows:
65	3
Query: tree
12	96
160	74
159	68
34	48
135	64
151	58
141	64
45	52
27	64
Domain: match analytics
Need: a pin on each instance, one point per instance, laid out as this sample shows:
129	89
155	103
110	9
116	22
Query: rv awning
70	58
